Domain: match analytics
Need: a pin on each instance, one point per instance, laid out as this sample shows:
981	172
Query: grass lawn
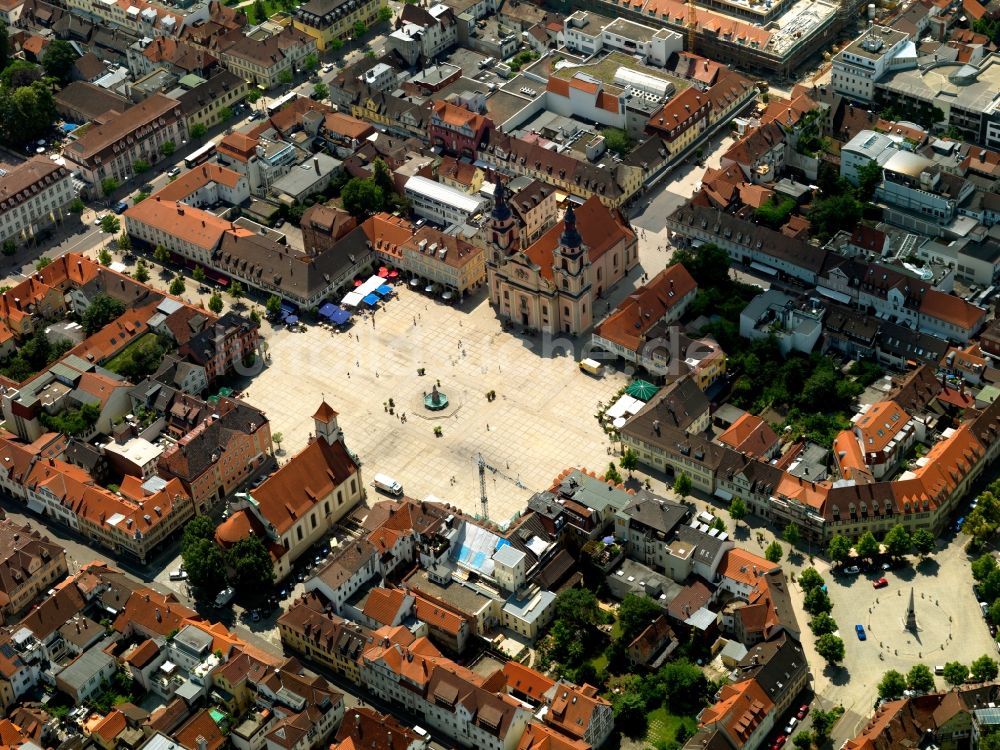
270	8
115	363
663	726
599	662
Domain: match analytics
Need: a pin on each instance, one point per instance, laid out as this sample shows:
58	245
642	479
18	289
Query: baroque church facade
553	284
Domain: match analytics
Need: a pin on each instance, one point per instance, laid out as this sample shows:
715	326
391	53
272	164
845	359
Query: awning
393	274
370	299
287	309
340	317
292	319
328	310
384	290
763	269
834	295
724	495
383	272
414	282
351	299
222	280
641	389
357	283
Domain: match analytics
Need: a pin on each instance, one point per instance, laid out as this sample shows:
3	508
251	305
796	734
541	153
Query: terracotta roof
143	654
526	681
646	306
27	179
201	727
850	460
601	228
537	736
136	117
880	424
347	126
325	413
458	117
111	726
572	707
951	309
309	477
384	605
195	179
740	711
364	728
148	611
744	567
192	225
750	434
438	617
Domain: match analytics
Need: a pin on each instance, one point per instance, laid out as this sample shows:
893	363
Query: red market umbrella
393	274
383	272
357	283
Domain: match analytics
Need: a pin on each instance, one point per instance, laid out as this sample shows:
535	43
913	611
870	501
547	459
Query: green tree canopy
78	421
831	648
982	566
955	673
920	679
682	485
983	669
869	178
611	473
198	130
321	91
822	723
629	460
101	311
215	303
817	601
791	534
774	552
250	563
58	59
897	541
617	141
362	198
384	14
26	113
810	579
830	215
177	285
822	624
635	613
867	546
923	542
205	564
708	264
273	305
891	686
737	510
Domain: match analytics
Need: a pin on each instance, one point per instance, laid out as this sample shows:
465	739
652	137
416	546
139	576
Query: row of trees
819	605
920	679
246	565
897	543
983	521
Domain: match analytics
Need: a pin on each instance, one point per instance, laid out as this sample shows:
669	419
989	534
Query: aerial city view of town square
499	374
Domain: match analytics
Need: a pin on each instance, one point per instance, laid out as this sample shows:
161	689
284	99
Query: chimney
202	743
316	163
159	617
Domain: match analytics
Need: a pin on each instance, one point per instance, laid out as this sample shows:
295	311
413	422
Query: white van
592	366
791	725
939	669
387	484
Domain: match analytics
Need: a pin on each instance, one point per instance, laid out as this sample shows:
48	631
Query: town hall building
554	283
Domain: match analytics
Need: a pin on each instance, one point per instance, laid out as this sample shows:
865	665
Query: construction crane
692	26
484	503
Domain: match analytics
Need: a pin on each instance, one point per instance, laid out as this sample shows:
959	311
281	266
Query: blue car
121	207
860	630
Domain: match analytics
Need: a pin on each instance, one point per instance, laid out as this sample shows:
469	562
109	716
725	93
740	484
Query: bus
200	156
281	101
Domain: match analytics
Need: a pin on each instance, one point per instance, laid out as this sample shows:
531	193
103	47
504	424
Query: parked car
225	596
121	207
178	575
174	172
255	616
881	583
852	571
860	630
803	710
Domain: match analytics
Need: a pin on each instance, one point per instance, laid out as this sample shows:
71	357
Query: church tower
503	228
569	258
325	420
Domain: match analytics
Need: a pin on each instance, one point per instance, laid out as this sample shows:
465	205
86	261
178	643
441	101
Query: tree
831	648
708	264
718	524
141	271
810	579
277	438
124	242
617	140
104	256
140	197
215	303
803	740
321	91
273	305
9	247
199	527
226	114
250	563
612	475
360	29
4	46
205	564
110	224
817	601
891	686
109	185
682	485
920	679
867	546
897	541
253	96
255	317
77	206
983	669
382	178
635	613
198	274
955	673
42	262
737	510
27	112
791	534
362	197
774	552
236	290
336	45
839	549
774	212
923	542
198	130
830	215
259	12
869	178
140	165
384	14
822	624
982	566
20	73
167	148
989	740
629	460
161	254
310	62
177	285
285	77
58	60
684	685
822	723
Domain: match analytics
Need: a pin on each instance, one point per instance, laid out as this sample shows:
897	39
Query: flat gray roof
934	86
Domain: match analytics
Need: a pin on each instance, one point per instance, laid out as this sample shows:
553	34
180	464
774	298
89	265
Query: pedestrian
414	320
357	363
376	373
348	374
487	426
